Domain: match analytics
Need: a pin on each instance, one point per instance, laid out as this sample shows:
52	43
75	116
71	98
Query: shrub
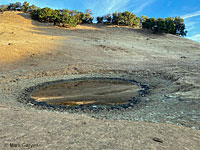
179	26
115	18
108	19
79	16
143	18
3	8
63	17
45	15
170	26
123	18
161	27
88	16
68	18
32	8
100	19
25	6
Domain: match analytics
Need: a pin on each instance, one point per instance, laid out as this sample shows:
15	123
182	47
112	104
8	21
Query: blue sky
187	9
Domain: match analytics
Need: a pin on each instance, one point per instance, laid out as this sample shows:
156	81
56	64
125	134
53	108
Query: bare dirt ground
32	53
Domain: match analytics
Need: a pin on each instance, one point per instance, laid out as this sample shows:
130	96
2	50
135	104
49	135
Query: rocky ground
32	53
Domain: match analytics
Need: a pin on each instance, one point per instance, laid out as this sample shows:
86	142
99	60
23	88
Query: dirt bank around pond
32	53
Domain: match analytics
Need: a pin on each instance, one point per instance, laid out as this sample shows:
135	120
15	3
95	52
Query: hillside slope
19	39
32	53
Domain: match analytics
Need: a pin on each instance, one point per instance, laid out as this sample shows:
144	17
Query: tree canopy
169	25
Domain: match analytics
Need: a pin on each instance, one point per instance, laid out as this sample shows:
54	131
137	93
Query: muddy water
82	92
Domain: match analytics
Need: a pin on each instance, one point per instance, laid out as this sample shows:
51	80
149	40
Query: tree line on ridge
71	18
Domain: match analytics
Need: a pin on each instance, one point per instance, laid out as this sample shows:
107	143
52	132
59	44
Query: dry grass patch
20	37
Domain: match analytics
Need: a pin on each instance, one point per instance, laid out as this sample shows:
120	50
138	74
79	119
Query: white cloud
195	37
116	4
107	6
193	28
191	24
141	5
194	14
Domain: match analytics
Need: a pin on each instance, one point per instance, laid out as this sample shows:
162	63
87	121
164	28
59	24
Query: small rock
84	122
157	140
168	96
32	55
75	68
3	76
14	80
183	57
30	104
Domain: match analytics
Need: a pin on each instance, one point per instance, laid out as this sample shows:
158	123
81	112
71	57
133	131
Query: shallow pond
87	92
